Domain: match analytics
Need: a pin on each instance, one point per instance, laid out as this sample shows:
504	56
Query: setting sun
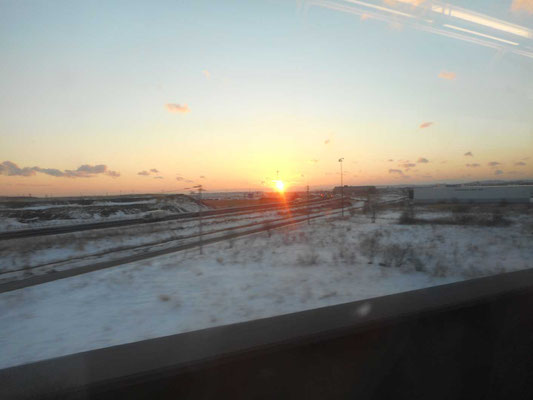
280	186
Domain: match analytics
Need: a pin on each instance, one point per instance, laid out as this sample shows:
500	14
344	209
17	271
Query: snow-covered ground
40	255
329	262
33	213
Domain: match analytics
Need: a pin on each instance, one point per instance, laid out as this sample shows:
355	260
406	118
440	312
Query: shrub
267	225
347	254
396	255
407	218
370	245
461	209
440	270
497	219
366	207
308	258
415	262
164	297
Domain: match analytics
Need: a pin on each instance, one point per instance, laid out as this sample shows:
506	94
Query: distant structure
472	194
355	190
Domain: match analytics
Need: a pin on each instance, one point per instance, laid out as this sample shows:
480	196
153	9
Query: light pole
342	188
308	210
200	215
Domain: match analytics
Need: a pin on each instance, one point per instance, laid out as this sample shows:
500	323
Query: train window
170	166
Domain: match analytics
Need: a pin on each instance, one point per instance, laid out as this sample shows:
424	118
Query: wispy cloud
396	171
87	171
498	172
493	164
206	73
158	177
522	5
327	141
520	163
49	171
390	160
468	154
474	165
422	160
313	161
9	168
407	165
177	108
148	173
179	178
425	125
447	75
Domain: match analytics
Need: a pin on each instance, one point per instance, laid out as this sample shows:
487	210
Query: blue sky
266	84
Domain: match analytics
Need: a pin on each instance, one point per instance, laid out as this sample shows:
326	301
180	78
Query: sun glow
280	186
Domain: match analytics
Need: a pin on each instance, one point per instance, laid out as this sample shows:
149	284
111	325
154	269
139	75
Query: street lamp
342	188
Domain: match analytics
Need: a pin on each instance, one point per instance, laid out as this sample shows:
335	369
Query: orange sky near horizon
94	99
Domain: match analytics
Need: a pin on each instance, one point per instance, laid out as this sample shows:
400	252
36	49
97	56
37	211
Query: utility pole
308	211
200	227
342	188
200	217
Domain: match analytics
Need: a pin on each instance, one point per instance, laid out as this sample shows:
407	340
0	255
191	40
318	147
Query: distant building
472	194
355	190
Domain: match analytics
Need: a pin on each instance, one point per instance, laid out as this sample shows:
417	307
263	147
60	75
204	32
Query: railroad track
188	242
242	223
57	230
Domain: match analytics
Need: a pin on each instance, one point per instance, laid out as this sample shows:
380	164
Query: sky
134	96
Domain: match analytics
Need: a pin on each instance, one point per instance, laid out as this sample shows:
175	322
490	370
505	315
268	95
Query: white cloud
396	171
84	171
447	75
522	5
177	108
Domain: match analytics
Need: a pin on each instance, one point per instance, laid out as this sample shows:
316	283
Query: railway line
124	255
57	230
258	218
